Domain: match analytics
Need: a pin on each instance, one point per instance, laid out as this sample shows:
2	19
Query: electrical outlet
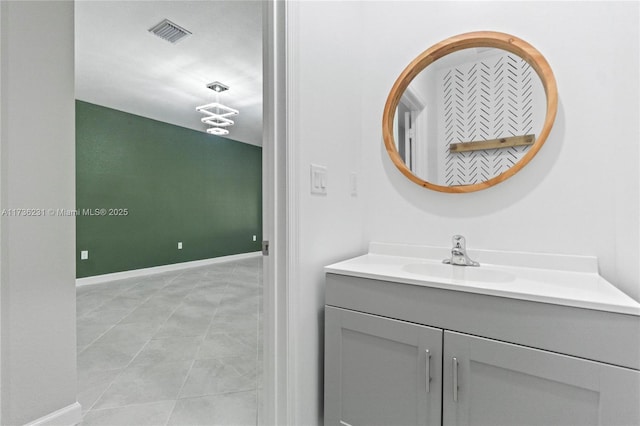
255	238
84	255
180	245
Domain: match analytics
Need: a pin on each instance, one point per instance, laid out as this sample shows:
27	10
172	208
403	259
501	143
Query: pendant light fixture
216	114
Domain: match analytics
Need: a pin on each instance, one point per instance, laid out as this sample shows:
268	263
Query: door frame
279	224
278	215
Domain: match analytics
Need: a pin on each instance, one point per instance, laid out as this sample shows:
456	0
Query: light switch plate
318	179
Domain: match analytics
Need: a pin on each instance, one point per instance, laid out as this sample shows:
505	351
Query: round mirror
470	112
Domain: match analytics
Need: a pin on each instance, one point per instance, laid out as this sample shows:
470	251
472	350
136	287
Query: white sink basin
547	278
459	273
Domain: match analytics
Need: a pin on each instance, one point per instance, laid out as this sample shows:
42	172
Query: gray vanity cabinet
504	384
376	371
493	361
380	371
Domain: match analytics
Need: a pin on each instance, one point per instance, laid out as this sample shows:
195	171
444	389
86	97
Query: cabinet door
377	371
494	383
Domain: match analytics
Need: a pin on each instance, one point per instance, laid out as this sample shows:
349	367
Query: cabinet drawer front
505	384
376	371
555	328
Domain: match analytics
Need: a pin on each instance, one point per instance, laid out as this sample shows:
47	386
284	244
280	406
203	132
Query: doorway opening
182	345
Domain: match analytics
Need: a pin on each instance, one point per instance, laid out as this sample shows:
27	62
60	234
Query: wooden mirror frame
453	44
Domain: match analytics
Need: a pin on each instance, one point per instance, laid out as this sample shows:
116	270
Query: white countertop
557	279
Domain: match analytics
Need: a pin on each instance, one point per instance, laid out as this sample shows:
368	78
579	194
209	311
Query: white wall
323	111
37	171
580	195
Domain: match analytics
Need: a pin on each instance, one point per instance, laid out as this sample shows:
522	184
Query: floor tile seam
231	335
173	283
118	293
174	278
200	338
94	309
193	286
206	332
241	374
219	357
184	382
124	289
213	316
120	373
102	371
116	325
128	312
224	356
252	389
137	404
256	402
119	322
228	331
175	403
96	339
84	294
101	288
116	296
193	361
159	327
182	302
221	360
105	390
179	304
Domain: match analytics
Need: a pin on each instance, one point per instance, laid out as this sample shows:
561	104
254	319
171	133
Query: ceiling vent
169	31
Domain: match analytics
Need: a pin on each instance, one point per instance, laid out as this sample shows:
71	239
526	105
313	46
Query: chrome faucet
459	253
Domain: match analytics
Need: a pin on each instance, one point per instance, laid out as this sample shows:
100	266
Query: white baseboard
67	416
97	279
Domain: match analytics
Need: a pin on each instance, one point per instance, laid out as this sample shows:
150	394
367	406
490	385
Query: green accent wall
177	184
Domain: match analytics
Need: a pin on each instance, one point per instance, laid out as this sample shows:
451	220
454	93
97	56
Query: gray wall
37	315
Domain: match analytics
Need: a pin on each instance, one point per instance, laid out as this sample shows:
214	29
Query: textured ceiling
120	65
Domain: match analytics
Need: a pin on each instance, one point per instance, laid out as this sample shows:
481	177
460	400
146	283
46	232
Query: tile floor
179	348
